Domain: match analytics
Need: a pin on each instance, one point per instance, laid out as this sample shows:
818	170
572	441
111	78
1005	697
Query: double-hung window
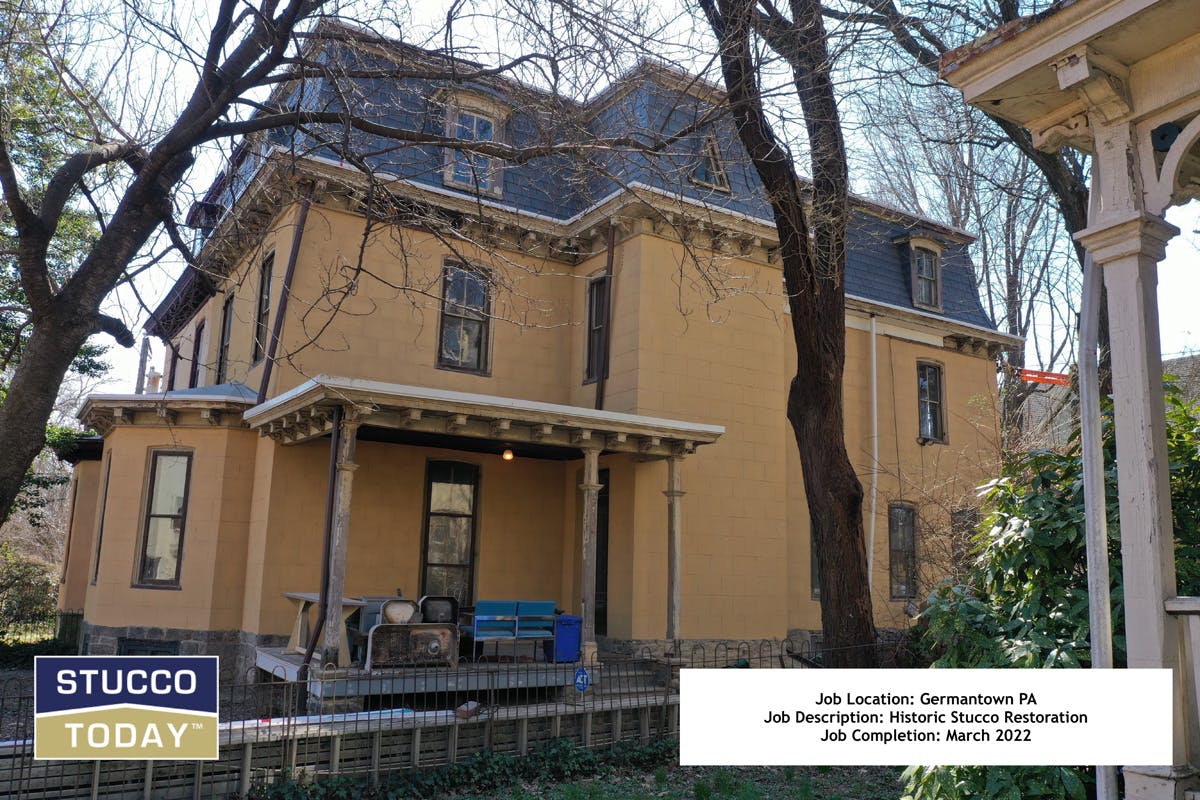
709	171
902	549
262	309
449	551
166	512
223	345
464	330
927	288
931	404
473	122
199	345
596	356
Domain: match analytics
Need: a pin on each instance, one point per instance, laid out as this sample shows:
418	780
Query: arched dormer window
925	268
473	117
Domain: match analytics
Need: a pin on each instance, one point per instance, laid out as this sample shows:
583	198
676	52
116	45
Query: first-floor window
449	552
166	513
902	547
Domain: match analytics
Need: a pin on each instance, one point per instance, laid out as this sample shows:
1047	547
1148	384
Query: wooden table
298	642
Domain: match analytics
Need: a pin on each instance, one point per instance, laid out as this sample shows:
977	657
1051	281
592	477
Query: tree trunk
814	275
23	415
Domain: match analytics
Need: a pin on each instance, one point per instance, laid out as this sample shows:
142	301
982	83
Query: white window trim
465	102
710	148
916	243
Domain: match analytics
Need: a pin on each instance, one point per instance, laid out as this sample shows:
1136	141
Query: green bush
558	761
1024	602
28	591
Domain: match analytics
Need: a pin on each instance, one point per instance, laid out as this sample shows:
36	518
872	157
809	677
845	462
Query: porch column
1128	249
674	495
591	496
332	651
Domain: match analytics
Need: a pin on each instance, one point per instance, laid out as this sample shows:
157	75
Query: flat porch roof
305	413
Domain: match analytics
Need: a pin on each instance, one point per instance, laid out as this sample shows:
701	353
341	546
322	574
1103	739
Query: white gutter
874	456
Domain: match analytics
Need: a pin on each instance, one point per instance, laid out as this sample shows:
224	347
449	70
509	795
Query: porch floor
462	677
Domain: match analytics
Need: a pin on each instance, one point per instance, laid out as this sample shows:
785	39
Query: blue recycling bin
567	632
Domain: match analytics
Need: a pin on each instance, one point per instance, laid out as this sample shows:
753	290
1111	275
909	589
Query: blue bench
510	621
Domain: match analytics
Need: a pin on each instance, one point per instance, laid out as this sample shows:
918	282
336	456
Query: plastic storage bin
565	646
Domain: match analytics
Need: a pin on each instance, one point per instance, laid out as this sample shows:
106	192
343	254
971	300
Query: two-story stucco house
558	379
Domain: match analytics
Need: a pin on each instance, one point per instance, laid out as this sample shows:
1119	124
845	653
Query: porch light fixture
507	455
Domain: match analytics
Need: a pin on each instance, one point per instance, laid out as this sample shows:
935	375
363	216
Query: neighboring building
553	309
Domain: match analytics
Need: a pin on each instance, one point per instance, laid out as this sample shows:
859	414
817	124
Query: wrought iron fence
370	724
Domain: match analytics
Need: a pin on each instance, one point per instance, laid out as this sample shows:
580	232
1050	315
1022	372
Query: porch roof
305	413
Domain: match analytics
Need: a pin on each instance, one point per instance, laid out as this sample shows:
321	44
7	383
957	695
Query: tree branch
115	328
59	190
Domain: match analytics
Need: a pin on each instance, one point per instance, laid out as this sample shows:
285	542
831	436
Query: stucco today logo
125	707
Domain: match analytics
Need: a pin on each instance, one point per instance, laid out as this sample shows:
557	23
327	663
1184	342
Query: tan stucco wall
746	568
85	495
214	533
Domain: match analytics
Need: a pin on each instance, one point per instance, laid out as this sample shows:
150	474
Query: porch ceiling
305	413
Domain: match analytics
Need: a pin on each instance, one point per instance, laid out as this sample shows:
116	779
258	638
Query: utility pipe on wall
874	457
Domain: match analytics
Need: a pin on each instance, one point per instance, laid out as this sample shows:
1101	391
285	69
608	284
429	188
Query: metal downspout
874	456
1095	511
277	328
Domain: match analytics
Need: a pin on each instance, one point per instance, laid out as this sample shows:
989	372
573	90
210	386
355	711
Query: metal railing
370	724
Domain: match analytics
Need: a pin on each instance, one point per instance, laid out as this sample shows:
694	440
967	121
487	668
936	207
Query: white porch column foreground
591	497
1128	252
332	651
674	495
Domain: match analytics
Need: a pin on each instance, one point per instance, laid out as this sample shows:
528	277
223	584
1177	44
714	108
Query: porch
567	442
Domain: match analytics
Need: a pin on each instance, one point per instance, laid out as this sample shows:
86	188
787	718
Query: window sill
716	187
923	441
924	307
482	373
495	194
171	587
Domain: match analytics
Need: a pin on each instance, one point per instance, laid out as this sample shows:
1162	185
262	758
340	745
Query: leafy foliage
557	761
1024	603
28	589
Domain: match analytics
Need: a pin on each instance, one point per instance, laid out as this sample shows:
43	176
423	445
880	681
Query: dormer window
709	171
474	118
927	287
925	268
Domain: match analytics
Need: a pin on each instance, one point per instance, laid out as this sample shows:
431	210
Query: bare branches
115	328
63	184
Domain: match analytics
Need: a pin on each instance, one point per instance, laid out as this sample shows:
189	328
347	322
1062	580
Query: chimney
153	380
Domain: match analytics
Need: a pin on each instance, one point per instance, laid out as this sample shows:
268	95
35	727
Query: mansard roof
650	100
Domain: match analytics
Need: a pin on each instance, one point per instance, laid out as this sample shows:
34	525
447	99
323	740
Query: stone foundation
234	648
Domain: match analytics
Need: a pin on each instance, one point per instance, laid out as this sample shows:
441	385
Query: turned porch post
591	496
332	651
674	493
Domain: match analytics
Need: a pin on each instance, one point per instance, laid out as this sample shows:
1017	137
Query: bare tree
132	165
812	245
929	153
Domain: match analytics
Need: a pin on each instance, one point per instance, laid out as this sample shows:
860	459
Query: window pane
452	498
466	126
470	342
483	129
170	482
449	581
476	292
451	340
449	540
161	555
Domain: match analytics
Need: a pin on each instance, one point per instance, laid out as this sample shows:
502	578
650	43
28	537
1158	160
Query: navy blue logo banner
125	707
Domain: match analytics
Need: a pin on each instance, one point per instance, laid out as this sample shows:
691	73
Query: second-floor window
166	512
931	404
262	309
465	168
596	357
463	340
902	548
223	346
927	289
198	347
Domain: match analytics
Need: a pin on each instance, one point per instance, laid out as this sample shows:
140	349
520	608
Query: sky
1179	281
